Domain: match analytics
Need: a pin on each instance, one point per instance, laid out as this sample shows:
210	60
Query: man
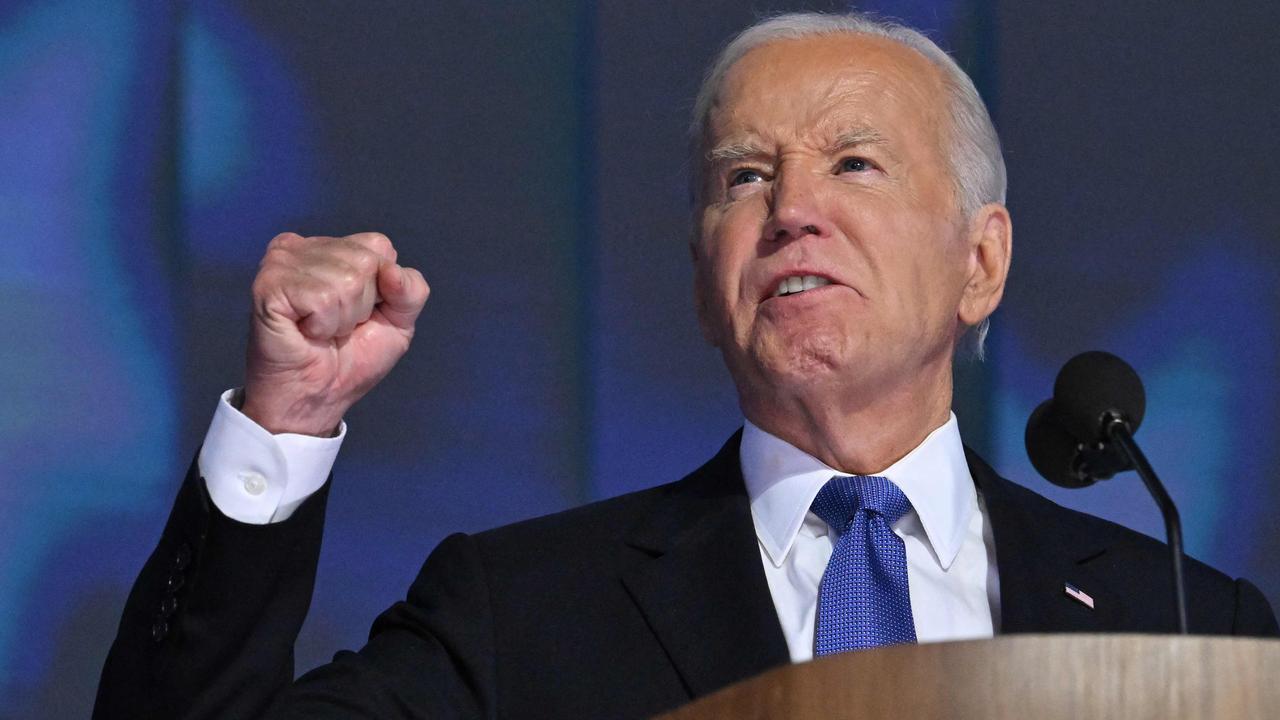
850	232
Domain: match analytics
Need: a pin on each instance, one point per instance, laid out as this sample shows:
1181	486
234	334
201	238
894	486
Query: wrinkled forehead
814	88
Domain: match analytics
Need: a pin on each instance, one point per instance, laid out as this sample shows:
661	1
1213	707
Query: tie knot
843	497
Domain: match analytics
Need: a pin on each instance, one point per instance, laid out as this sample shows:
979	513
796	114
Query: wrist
297	417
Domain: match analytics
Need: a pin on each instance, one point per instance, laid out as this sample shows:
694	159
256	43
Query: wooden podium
1037	677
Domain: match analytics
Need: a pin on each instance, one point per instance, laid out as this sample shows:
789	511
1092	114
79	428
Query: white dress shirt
256	477
951	571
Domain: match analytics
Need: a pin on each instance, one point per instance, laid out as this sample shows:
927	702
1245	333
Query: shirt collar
782	481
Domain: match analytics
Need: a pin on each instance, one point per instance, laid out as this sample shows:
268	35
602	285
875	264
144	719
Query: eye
855	165
744	176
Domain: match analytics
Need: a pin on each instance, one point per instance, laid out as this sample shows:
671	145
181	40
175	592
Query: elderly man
850	233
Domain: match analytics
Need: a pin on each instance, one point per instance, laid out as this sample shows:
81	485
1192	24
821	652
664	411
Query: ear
990	242
700	300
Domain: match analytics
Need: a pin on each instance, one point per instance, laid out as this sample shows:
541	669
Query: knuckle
365	262
350	283
375	242
284	239
265	282
371	239
325	298
274	254
266	292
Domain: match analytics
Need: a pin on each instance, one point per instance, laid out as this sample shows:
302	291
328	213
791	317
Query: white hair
973	148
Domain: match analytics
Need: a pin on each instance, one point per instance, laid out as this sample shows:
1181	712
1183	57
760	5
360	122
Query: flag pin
1078	595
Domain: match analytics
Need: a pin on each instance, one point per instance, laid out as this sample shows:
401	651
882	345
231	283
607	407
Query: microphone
1093	387
1084	433
1066	435
1063	460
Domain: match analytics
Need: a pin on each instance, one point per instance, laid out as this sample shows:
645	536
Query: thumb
404	291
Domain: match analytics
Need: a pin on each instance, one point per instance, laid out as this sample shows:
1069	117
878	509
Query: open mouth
799	283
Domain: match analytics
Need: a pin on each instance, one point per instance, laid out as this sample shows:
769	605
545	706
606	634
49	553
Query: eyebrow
733	151
729	152
857	137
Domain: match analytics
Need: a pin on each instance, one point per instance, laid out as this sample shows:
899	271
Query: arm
209	627
429	656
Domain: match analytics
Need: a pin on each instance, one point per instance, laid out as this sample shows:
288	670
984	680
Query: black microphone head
1092	385
1053	450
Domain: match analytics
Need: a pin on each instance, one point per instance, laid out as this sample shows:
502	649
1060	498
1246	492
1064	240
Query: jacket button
182	558
174	582
159	629
168	606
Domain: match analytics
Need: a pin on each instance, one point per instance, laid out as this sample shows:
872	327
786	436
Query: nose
795	209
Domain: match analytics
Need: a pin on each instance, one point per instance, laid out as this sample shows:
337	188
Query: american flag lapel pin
1078	595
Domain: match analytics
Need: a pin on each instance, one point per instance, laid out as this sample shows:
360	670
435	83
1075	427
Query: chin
803	359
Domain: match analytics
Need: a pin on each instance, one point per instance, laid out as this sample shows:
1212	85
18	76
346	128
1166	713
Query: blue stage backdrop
530	158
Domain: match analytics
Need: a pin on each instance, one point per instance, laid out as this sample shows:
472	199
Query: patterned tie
863	600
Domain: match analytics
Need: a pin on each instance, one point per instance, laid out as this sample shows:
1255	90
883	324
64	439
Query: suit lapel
702	589
1038	552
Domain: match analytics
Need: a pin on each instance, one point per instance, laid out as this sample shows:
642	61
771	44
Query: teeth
813	281
799	283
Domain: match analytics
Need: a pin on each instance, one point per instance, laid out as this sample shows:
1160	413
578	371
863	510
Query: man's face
828	161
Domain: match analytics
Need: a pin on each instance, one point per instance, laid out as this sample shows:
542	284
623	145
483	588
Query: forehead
814	88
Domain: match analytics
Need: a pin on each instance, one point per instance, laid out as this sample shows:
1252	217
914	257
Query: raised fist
331	317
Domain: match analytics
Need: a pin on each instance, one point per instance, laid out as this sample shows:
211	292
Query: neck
856	431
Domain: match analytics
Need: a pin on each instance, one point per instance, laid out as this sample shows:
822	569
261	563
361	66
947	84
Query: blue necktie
863	600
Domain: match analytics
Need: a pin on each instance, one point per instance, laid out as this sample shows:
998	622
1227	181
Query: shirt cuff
256	477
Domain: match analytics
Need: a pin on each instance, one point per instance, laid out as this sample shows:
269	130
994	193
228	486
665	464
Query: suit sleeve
1253	615
209	626
430	656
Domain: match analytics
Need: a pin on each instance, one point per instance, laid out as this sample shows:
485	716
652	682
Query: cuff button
254	483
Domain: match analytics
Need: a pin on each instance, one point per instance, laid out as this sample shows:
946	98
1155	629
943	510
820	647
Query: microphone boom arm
1117	430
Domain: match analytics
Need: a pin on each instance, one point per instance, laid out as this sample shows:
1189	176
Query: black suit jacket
622	608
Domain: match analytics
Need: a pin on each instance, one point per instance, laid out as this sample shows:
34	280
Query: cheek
715	288
728	252
943	278
923	266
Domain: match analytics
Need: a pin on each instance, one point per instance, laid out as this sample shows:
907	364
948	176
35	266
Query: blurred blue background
530	158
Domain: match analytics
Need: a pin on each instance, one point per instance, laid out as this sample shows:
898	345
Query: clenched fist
331	317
